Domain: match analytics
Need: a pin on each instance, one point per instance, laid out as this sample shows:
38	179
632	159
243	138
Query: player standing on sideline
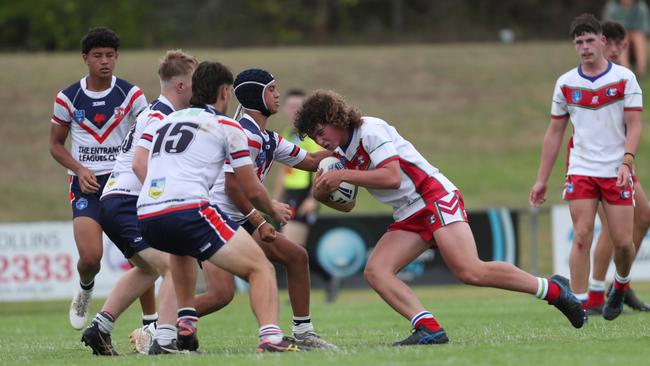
293	186
188	150
604	102
428	212
97	111
614	46
257	92
119	219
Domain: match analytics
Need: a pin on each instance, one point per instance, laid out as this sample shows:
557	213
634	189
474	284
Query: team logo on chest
611	92
118	112
576	95
594	99
157	188
79	115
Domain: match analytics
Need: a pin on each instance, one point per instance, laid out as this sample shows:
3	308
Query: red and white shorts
436	214
579	187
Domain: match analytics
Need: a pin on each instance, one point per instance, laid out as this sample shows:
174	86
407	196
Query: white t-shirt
186	154
122	179
98	121
376	143
596	107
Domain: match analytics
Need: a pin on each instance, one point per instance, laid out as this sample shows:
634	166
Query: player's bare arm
258	196
87	179
311	160
387	176
632	140
550	149
238	198
140	163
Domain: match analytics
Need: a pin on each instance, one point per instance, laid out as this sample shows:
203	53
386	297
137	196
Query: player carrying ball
428	212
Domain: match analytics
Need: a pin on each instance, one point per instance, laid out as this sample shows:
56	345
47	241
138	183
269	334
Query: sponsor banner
562	242
339	247
39	261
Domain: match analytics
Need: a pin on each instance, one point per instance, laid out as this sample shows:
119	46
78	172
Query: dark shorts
294	198
197	232
118	217
86	204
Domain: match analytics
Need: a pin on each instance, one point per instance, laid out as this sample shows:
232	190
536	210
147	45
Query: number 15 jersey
186	154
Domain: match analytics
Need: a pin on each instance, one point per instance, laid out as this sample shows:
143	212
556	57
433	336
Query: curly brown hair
325	107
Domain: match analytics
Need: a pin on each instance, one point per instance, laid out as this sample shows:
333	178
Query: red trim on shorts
215	220
173	209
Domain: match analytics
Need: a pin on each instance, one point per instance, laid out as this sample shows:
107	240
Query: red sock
596	299
553	291
621	286
429	323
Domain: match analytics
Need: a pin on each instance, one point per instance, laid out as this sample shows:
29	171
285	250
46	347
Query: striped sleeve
633	95
146	139
559	109
63	108
237	141
287	152
379	145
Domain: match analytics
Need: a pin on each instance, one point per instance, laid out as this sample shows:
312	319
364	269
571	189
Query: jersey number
128	140
178	139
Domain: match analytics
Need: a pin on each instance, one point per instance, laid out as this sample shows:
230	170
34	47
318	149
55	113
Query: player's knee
89	264
299	256
470	276
374	274
582	235
219	297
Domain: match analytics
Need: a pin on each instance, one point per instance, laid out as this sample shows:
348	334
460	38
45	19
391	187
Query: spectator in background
293	186
635	17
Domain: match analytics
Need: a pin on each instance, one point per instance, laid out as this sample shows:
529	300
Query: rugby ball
346	192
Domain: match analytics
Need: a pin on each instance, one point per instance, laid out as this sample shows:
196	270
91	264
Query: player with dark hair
97	111
614	46
257	92
427	208
119	220
604	102
186	154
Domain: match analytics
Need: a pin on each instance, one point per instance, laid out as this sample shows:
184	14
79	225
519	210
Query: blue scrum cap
249	89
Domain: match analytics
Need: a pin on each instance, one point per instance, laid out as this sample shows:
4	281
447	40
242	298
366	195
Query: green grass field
486	327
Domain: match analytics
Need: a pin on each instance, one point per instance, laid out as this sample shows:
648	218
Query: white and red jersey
187	151
376	143
596	107
98	121
265	147
122	179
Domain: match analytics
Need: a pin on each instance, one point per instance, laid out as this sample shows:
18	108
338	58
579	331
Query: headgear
249	89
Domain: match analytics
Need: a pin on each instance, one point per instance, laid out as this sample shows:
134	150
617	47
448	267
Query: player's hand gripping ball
345	192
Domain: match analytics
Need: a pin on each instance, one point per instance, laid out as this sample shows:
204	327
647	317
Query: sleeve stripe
559	117
295	151
60	121
254	144
240	154
64	104
146	136
231	124
380	145
156	115
639	109
387	160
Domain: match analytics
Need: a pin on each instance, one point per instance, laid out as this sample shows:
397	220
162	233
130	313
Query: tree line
52	25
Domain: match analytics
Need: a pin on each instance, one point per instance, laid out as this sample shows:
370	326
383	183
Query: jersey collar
96	94
594	78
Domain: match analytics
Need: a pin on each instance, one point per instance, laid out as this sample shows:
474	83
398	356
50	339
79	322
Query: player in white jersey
186	154
97	111
604	103
257	92
615	45
119	220
427	208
